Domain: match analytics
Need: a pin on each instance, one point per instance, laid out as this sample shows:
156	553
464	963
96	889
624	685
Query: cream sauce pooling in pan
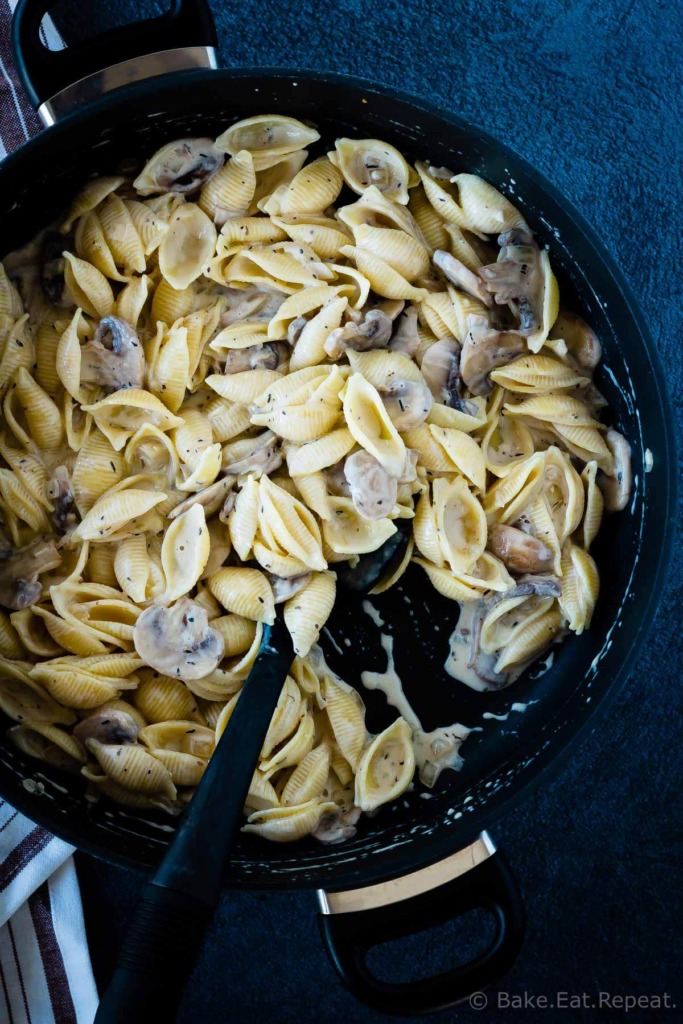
434	750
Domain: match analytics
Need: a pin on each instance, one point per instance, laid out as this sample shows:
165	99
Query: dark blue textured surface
590	92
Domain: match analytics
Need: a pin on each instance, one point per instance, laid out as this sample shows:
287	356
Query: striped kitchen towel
45	971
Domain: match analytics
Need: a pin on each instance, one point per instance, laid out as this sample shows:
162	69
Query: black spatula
166	934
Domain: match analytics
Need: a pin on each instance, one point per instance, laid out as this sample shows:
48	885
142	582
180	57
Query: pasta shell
170	304
23	699
285	718
231	190
400	251
313	189
535	374
184	552
112	511
307	612
460	521
531	641
484	209
386	768
91	245
121	414
347	532
293	527
183	737
287	824
369	423
382	277
244	387
367	162
464	452
268	137
168	372
594	505
243	521
245	592
309	349
248	230
317	455
238	633
295	749
161	698
580	586
427	219
133	768
346	715
308	779
121	235
150	227
188	245
90	196
43	418
88	287
131	300
11	629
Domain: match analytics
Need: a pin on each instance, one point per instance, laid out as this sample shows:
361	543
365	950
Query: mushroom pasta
223	378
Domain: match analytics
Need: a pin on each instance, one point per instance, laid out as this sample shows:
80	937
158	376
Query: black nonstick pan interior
506	755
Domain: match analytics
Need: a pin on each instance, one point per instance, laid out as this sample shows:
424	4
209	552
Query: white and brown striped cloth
45	971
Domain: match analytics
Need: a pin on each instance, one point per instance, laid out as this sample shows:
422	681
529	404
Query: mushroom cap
484	350
178	641
180	166
373	490
122	365
408	402
441	370
107	725
519	551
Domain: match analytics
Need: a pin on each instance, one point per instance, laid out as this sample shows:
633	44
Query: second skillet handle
59	81
354	922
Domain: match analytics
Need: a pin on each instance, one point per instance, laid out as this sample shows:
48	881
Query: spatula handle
177	905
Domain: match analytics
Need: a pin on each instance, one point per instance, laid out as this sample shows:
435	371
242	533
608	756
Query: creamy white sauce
332	640
648	461
435	750
517	706
372	612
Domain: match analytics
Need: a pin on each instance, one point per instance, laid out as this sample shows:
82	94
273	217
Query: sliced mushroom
114	359
516	277
19	572
180	166
337	826
228	506
373	491
108	726
295	328
408	402
482	662
52	266
178	641
484	350
441	371
263	458
211	498
270	356
392	307
250	304
405	338
461	277
616	489
519	551
286	587
409	473
60	491
374	332
336	482
581	340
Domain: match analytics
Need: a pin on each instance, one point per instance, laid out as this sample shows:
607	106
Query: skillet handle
59	81
353	922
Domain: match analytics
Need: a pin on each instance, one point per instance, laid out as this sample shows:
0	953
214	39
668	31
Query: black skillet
404	869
